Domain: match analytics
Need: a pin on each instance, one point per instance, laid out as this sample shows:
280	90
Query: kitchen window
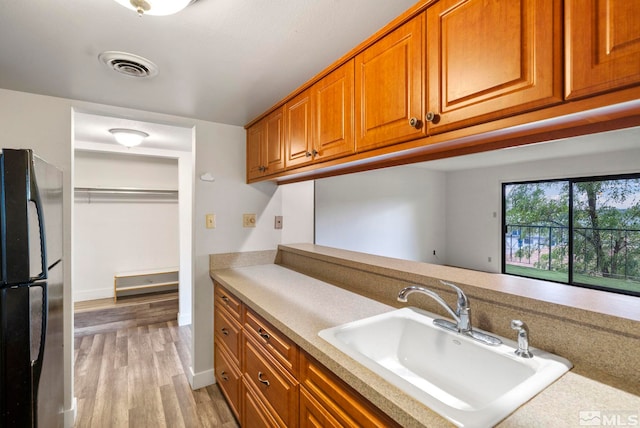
578	231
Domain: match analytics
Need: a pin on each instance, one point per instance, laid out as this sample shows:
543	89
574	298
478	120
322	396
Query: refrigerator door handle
36	365
34	196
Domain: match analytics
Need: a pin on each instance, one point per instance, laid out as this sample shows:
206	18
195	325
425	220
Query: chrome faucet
462	314
523	339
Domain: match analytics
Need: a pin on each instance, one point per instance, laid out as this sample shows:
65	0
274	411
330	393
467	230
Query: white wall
396	212
44	124
220	150
297	210
120	234
473	233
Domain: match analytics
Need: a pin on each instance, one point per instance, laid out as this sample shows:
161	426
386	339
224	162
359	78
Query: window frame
570	228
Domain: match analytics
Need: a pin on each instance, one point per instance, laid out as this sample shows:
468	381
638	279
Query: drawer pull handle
263	334
225	299
264	381
225	331
224	376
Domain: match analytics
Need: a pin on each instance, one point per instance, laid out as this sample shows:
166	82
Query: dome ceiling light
155	7
128	137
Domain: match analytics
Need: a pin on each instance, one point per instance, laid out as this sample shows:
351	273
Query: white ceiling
93	129
220	60
224	61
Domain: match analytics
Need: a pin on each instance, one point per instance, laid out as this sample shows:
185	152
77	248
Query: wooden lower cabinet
229	378
276	388
269	382
254	412
226	346
328	401
313	414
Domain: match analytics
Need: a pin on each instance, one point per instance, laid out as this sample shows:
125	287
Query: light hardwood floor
136	377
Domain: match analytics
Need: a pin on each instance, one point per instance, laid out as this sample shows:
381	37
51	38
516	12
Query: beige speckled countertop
300	306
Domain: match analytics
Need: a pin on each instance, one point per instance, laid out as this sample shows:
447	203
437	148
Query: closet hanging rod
126	191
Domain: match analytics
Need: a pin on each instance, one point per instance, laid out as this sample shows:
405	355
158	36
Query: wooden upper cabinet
319	121
488	59
265	146
333	113
274	145
389	82
602	45
255	138
298	138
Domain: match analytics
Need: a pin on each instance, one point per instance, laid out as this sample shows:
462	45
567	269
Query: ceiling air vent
128	64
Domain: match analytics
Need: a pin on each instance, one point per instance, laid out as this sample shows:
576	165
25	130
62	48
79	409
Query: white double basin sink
467	382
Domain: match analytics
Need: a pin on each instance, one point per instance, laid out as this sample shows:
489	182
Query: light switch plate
210	221
248	220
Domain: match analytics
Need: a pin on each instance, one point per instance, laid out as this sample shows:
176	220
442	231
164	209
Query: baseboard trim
184	319
70	414
201	379
100	293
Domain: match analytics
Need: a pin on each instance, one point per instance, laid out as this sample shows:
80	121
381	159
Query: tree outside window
577	231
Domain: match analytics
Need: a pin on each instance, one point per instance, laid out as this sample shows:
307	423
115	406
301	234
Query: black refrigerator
31	292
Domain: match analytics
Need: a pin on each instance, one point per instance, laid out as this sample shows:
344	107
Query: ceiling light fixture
128	137
155	7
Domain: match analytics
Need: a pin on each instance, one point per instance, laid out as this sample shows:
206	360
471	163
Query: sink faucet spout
405	292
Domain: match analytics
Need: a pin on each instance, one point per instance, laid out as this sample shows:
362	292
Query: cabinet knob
415	122
224	331
262	168
261	380
224	376
431	117
314	152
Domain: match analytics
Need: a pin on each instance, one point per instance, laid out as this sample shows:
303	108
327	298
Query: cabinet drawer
227	300
228	378
254	413
341	401
274	342
277	388
227	331
313	414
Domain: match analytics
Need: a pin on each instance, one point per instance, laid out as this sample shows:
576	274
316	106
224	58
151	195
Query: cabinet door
254	414
488	59
273	148
333	120
276	388
389	88
602	45
336	399
298	140
313	415
228	378
255	138
227	332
